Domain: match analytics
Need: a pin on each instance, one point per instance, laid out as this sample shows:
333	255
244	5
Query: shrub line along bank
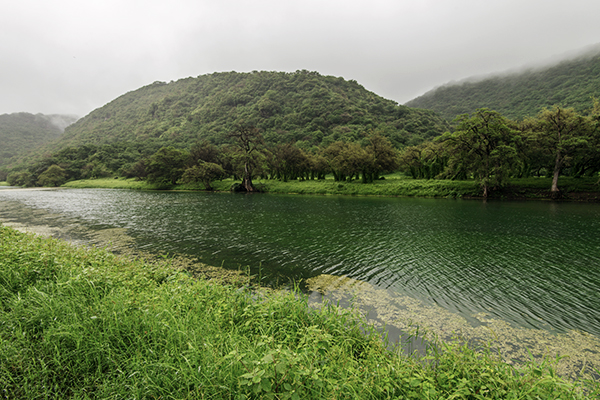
84	323
573	189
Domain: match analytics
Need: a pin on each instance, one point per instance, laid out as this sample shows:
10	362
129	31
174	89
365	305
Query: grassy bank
586	189
83	323
4	183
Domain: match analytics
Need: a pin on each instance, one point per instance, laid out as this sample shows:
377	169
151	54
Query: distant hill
302	107
570	83
22	132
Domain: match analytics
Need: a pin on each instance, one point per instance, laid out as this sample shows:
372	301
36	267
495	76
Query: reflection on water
533	265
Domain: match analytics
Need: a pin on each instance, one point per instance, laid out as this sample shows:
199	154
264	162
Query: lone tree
482	145
561	132
248	141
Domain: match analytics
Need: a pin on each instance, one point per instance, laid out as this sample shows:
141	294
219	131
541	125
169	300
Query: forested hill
22	132
301	107
570	83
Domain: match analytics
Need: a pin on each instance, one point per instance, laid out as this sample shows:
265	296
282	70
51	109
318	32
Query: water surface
532	264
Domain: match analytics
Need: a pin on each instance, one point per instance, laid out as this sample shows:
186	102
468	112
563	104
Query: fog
70	57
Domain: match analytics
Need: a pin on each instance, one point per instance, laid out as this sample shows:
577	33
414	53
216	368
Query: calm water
534	264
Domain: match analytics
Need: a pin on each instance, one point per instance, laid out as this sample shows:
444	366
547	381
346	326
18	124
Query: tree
248	142
384	158
482	145
166	166
426	160
204	151
560	133
21	178
52	177
205	172
289	162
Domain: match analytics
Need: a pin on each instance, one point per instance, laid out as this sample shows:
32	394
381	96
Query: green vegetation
490	148
20	133
83	323
576	189
303	107
304	126
4	184
110	183
570	83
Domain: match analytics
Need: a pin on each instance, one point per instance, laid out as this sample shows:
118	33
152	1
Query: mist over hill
571	82
302	107
21	133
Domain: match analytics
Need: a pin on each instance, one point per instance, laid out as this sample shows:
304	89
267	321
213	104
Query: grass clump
84	323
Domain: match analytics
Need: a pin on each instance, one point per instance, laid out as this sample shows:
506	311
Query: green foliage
53	176
204	172
166	166
570	83
83	323
482	146
20	133
560	134
285	107
21	178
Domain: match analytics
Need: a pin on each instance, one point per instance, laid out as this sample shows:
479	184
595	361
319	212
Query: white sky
72	56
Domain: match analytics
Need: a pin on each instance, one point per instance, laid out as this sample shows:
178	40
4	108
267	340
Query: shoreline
392	313
572	189
183	332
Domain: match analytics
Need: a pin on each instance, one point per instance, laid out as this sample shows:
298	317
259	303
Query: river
527	267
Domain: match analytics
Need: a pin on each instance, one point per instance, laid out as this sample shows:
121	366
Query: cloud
70	57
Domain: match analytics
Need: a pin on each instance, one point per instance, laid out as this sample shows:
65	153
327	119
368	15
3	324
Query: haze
70	57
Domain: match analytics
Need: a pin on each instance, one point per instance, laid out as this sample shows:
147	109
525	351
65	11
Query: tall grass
392	185
83	323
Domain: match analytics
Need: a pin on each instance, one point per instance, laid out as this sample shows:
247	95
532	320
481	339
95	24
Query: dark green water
534	264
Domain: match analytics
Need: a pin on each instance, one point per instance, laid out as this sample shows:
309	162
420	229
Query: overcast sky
72	56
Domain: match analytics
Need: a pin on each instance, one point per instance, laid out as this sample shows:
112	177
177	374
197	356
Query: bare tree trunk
554	191
247	182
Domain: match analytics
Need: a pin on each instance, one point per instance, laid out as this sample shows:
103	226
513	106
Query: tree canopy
302	107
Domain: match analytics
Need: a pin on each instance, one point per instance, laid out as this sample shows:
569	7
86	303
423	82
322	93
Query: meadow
84	323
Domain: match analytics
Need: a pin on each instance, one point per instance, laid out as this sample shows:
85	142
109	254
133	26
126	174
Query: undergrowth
83	323
393	185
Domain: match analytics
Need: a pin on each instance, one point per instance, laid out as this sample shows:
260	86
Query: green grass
393	185
83	323
111	183
4	184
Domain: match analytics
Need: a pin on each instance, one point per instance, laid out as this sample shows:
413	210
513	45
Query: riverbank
80	322
572	189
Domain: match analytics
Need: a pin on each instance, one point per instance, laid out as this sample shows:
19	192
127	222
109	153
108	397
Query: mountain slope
303	107
570	83
22	132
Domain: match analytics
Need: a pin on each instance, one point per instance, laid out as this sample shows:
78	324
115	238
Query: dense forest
570	83
304	108
22	132
299	126
484	146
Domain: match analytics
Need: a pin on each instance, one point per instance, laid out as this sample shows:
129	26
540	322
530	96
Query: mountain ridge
302	106
22	132
518	93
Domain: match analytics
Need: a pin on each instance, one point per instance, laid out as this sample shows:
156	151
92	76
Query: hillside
22	132
570	83
301	107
